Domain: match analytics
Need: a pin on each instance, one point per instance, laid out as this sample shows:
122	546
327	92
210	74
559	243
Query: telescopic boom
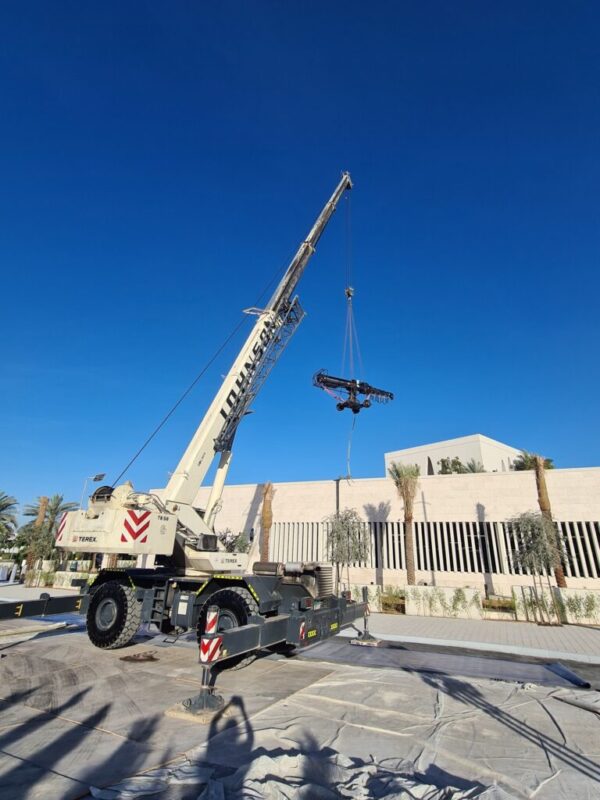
122	520
271	333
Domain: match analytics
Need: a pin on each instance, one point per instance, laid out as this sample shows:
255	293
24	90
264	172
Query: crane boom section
269	336
288	283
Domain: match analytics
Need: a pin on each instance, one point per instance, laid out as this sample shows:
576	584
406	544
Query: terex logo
87	538
236	395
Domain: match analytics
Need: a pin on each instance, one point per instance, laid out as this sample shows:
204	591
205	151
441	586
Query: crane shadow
469	695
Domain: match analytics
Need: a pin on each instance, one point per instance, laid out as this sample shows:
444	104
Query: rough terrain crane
190	569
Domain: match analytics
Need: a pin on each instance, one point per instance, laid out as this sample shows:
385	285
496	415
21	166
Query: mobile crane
274	603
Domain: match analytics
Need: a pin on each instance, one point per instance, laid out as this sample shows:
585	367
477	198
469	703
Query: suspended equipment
351	390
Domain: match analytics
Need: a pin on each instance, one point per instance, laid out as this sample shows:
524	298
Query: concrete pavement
12	592
567	642
577	643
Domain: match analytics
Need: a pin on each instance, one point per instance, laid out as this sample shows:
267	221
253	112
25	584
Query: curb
532	652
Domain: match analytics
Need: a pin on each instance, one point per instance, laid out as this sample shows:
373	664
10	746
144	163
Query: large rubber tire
236	605
114	616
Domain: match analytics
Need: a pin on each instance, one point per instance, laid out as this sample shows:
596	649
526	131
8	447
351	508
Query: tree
346	543
539	464
266	520
8	519
544	504
474	466
38	542
451	466
526	460
539	549
234	542
38	537
406	480
51	515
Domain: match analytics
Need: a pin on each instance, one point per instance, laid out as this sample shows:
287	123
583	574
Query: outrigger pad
350	389
201	708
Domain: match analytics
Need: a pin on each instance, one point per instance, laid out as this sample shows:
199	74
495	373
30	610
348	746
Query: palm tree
39	536
406	480
474	466
539	464
266	520
526	460
8	517
544	504
52	514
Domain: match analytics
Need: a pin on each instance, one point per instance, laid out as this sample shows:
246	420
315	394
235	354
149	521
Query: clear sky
161	161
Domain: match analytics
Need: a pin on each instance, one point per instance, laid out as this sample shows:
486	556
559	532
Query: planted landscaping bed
393	601
499	608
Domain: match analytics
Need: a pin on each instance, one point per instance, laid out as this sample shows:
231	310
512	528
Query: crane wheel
114	616
236	605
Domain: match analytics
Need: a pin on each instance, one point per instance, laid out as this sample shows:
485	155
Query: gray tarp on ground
73	716
368	733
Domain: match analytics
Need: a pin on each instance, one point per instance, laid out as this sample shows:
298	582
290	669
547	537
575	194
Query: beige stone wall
574	494
298	508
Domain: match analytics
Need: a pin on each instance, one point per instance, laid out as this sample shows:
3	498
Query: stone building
493	456
461	534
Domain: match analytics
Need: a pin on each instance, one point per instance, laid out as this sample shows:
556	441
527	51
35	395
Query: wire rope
350	334
208	364
349	448
351	342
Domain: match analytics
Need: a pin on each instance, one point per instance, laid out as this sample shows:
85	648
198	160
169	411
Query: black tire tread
131	625
244	661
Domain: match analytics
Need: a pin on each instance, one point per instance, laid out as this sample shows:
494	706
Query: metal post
207	702
365	638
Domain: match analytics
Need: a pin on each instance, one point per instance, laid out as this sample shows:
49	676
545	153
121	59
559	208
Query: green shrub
393	600
499	604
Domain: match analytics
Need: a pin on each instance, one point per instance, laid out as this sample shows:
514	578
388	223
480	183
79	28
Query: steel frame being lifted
351	388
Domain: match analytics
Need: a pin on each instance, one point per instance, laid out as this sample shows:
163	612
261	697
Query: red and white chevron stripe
211	621
210	649
136	526
61	527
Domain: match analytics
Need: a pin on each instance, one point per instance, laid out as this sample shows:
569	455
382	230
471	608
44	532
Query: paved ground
572	642
13	593
16	591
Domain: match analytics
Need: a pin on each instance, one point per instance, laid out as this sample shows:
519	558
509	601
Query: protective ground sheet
394	656
372	733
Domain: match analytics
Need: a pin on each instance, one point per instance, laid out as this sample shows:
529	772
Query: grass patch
393	600
499	604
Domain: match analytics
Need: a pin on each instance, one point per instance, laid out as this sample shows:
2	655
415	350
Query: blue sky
161	162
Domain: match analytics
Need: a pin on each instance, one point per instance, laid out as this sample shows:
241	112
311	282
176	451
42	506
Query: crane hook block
350	391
